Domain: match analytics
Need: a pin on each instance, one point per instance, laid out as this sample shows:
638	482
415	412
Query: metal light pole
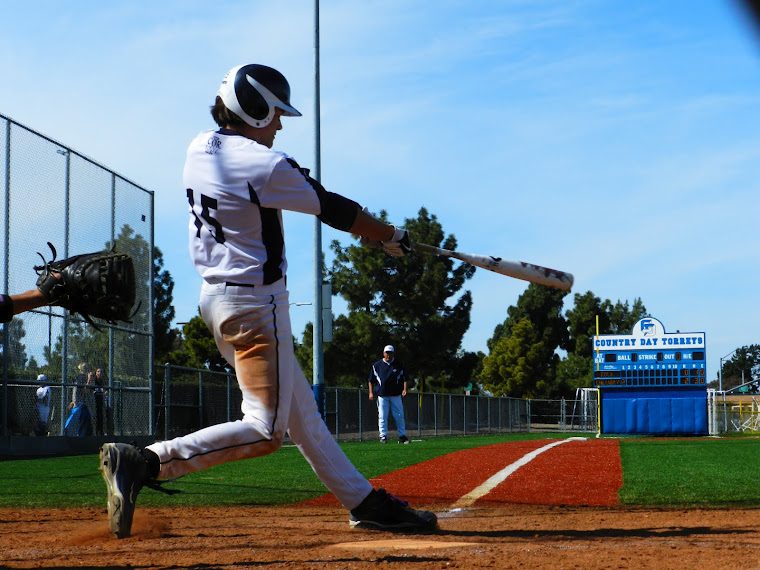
318	356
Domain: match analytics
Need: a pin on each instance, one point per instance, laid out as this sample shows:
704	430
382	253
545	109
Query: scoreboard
649	357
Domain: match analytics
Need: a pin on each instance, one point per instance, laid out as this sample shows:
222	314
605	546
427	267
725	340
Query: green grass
280	478
698	471
656	472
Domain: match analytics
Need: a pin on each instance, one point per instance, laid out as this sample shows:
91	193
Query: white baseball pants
394	406
252	329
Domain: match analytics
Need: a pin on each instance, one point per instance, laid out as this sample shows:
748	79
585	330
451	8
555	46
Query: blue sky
615	140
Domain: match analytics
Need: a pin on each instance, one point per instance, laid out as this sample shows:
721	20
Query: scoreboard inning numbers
649	357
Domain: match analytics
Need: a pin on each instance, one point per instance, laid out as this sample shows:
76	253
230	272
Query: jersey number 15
207	204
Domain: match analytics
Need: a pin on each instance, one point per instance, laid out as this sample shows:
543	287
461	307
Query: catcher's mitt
99	284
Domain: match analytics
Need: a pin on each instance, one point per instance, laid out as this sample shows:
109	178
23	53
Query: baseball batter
236	187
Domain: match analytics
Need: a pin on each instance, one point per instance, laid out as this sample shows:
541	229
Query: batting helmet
253	92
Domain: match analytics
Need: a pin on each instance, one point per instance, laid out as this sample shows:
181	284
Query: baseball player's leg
397	409
383	407
309	432
374	508
247	330
246	333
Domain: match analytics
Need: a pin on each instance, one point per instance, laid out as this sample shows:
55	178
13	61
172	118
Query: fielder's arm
15	304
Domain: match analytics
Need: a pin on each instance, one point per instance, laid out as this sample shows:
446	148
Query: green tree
581	323
739	368
622	317
576	369
516	364
198	348
542	307
410	302
164	336
347	360
16	354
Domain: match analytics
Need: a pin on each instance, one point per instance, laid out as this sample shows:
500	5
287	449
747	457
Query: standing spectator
99	393
388	373
42	404
80	421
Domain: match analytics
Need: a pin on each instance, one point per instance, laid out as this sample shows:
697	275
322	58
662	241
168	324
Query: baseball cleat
403	439
125	472
383	440
383	511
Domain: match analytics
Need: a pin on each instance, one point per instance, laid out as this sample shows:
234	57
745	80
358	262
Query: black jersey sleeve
336	211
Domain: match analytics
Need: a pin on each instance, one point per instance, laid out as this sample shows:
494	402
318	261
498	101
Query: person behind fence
79	422
43	396
236	187
99	384
390	377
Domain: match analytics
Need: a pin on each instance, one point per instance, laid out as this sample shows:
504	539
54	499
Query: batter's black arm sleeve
335	210
338	211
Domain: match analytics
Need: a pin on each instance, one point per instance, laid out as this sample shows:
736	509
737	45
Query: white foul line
492	482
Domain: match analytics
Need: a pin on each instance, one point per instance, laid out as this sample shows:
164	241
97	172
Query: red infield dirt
557	511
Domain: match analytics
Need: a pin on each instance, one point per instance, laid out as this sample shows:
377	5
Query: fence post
419	416
167	400
6	283
451	417
337	414
361	414
200	400
435	414
229	399
527	409
464	415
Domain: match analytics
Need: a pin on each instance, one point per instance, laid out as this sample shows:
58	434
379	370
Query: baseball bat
517	269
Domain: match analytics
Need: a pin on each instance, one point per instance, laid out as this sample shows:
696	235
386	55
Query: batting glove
399	245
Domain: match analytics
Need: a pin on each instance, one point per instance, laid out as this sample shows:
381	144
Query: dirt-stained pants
252	329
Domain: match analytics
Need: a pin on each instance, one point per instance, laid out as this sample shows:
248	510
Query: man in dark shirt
388	373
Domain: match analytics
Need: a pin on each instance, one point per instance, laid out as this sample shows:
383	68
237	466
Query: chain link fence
51	193
187	399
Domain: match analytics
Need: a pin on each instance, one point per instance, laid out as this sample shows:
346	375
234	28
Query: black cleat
383	511
125	472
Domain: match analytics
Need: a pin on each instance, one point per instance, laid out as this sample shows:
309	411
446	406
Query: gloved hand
99	284
399	245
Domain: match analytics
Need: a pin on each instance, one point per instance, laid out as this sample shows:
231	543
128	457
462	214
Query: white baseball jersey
237	188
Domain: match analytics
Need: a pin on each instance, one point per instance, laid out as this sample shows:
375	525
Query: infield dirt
523	523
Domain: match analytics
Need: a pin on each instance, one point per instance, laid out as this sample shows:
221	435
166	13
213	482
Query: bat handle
428	248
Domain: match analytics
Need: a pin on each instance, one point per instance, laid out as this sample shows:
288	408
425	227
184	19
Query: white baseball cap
41	378
388	348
